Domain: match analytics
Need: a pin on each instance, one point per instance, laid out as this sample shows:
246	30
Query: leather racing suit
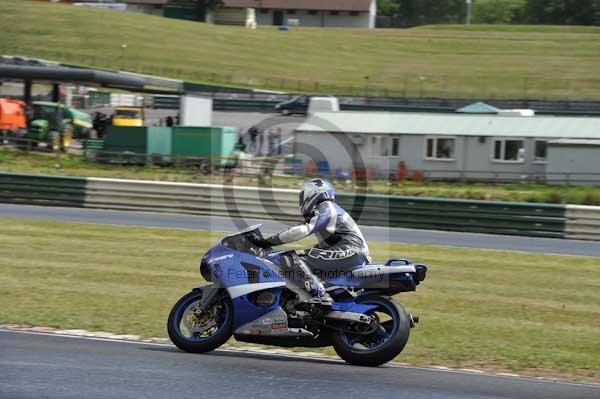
341	246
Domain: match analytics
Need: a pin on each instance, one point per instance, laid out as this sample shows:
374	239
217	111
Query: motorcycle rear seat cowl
378	269
392	266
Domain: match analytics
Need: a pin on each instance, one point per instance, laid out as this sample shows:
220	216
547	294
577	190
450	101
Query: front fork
209	293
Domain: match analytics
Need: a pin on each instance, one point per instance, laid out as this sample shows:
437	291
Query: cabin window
354	13
441	148
541	148
313	12
509	150
334	13
395	146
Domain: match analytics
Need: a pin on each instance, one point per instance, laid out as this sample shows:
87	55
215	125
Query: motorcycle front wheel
200	331
378	343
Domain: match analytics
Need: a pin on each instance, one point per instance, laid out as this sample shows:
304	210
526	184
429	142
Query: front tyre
391	328
193	330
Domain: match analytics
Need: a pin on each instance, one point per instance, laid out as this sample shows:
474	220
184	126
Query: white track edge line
320	358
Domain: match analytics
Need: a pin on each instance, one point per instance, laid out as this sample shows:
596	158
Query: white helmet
313	193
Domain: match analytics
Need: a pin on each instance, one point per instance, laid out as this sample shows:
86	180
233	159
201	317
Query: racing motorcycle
247	297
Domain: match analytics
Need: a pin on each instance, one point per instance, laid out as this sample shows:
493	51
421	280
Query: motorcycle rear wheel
200	332
381	346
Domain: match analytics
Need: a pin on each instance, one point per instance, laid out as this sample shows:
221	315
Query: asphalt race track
454	239
46	366
37	365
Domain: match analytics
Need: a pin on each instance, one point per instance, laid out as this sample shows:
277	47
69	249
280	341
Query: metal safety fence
540	220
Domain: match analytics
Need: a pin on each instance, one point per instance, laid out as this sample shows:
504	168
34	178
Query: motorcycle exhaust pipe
348	316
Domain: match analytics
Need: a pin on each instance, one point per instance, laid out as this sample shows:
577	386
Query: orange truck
12	115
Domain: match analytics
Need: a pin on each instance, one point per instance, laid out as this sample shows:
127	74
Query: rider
341	245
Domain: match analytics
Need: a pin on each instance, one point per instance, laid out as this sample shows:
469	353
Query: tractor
57	124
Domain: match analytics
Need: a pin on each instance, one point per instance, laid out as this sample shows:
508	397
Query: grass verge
74	165
483	61
504	311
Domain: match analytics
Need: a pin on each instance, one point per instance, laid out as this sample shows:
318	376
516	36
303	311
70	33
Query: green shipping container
149	141
121	139
215	143
158	144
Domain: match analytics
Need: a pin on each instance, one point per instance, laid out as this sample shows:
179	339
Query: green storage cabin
204	142
160	143
143	141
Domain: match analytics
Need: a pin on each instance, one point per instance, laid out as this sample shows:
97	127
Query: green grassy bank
439	61
504	311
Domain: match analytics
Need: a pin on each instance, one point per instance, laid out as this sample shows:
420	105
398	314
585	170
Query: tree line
406	13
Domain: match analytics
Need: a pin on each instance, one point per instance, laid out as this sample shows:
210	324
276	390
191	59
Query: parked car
297	105
302	104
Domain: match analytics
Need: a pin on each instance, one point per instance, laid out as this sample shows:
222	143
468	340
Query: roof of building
453	125
479	108
146	2
577	142
329	5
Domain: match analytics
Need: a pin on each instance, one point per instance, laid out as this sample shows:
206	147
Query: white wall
577	160
573	159
145	8
195	110
322	146
229	16
470	154
345	20
320	19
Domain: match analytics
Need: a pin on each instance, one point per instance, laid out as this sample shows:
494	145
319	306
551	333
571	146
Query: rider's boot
320	298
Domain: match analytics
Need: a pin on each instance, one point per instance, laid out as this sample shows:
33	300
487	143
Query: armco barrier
264	105
247	105
149	196
541	220
583	222
255	105
525	219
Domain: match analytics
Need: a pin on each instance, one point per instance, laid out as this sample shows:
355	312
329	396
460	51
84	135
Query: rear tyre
384	344
192	330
